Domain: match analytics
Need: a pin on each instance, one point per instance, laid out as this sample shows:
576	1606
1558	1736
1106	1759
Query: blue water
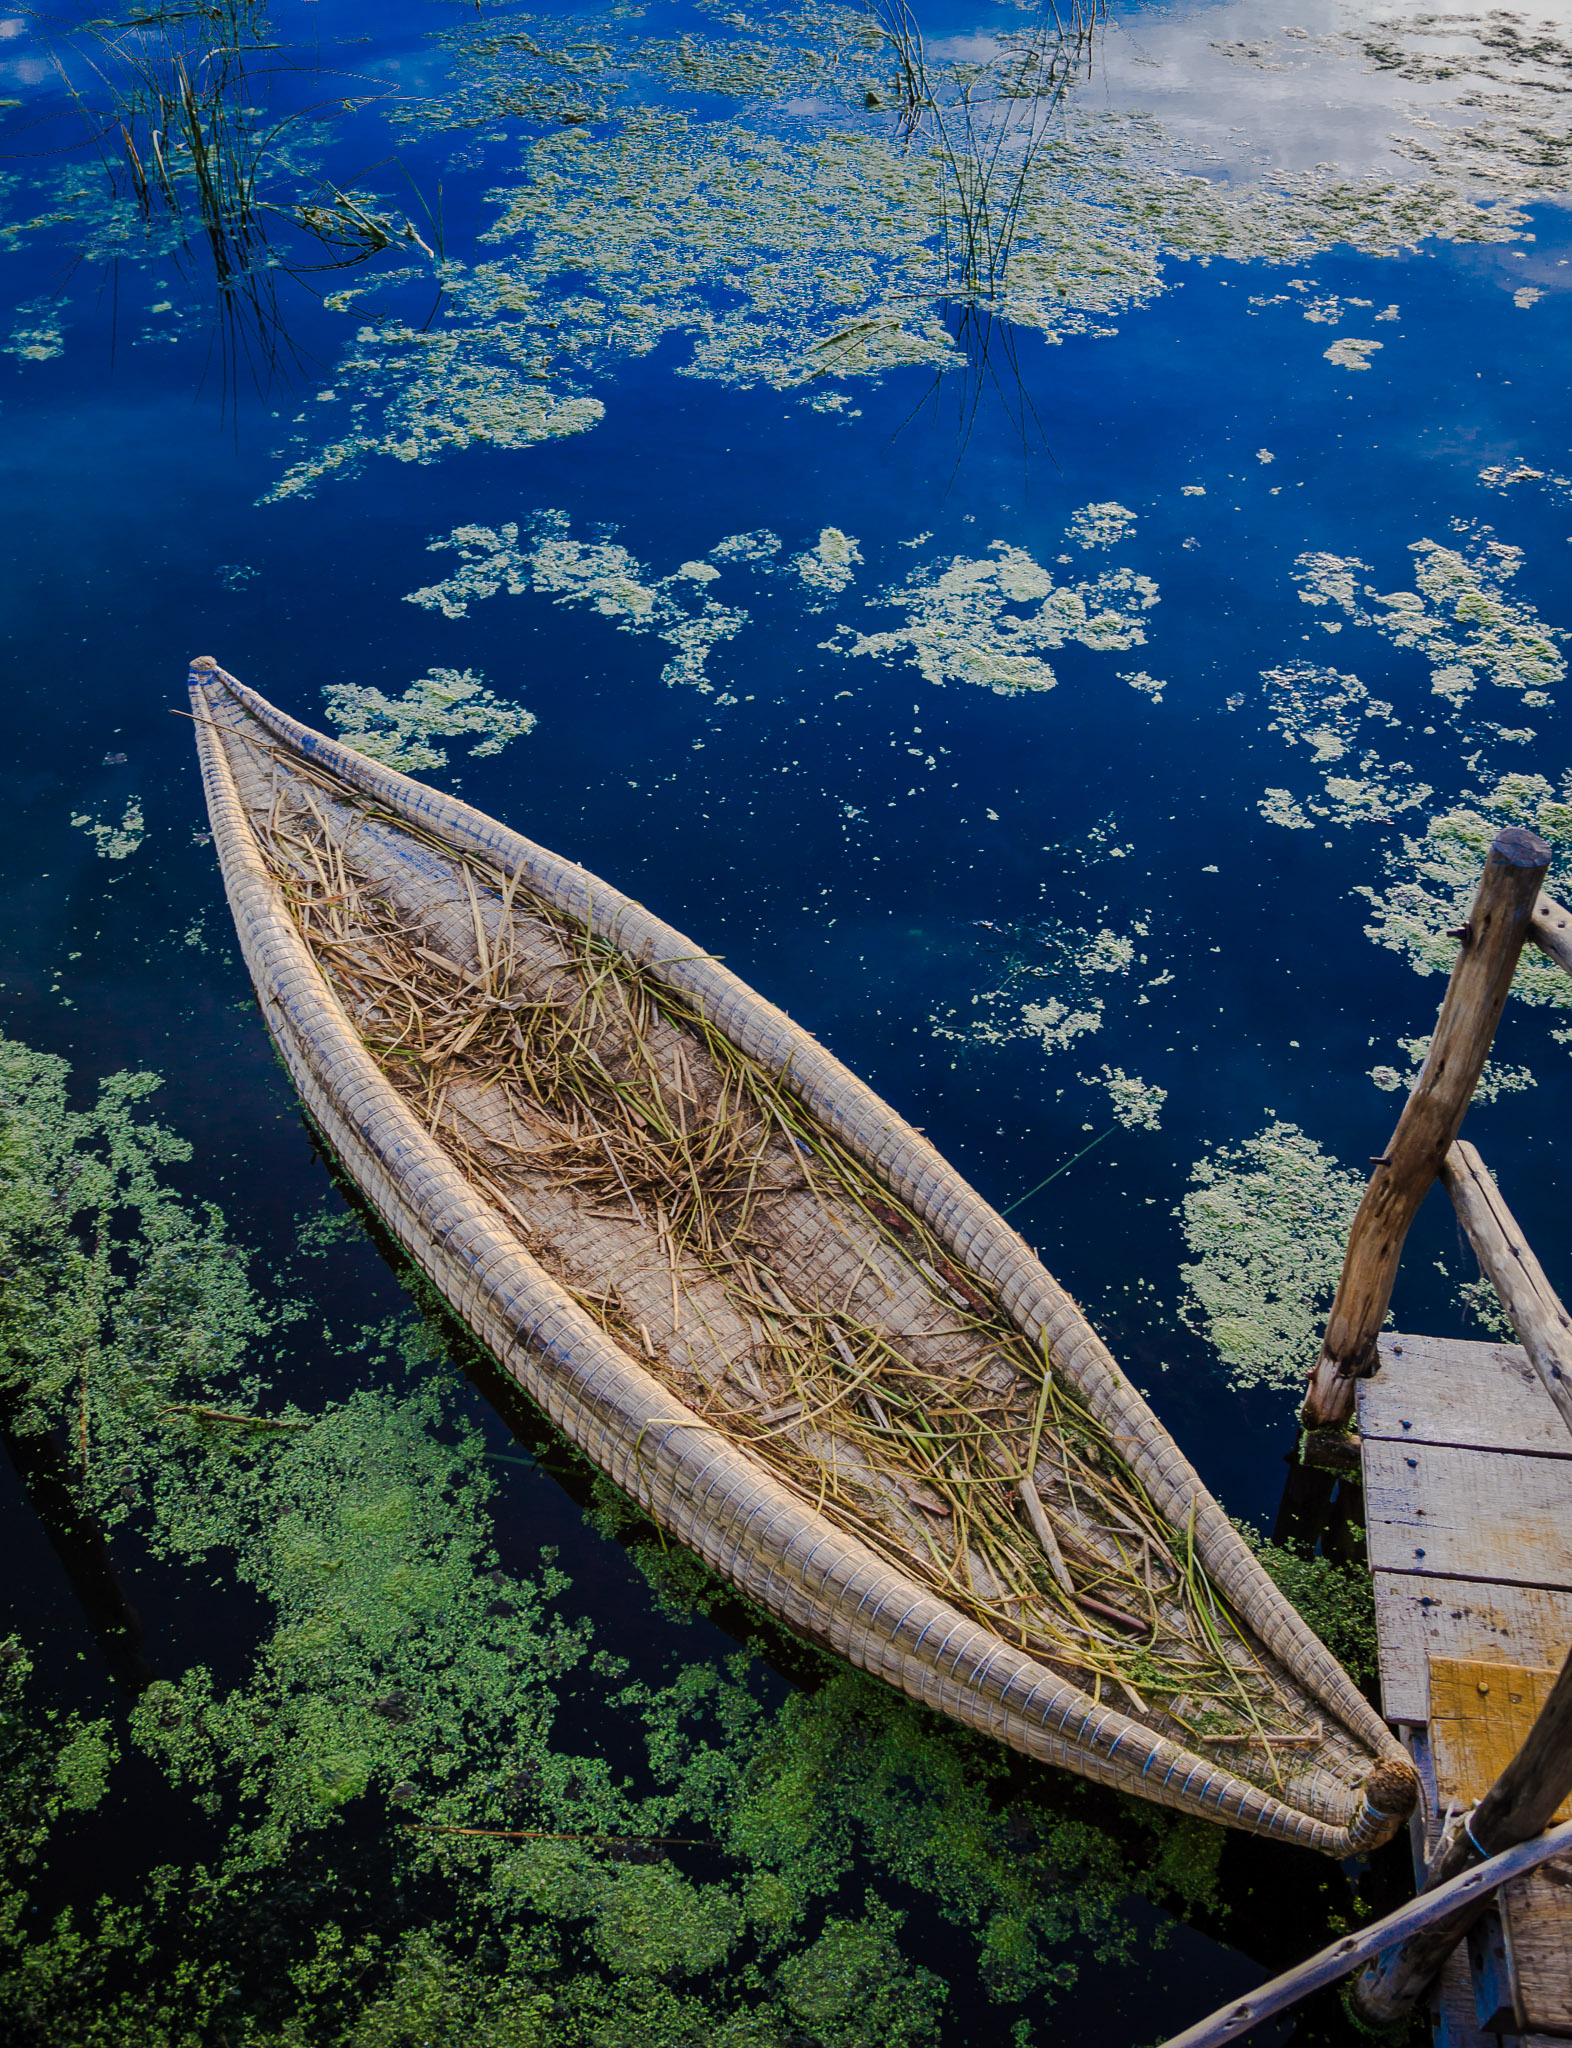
869	850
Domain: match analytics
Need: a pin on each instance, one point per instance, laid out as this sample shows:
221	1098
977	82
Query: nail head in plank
1419	1618
1444	1390
1480	1713
1485	1515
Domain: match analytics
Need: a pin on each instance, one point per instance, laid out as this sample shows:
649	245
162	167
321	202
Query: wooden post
1232	2022
1552	929
1518	1806
1497	927
1544	1329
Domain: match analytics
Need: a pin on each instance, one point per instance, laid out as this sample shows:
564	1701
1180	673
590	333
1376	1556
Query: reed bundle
884	1387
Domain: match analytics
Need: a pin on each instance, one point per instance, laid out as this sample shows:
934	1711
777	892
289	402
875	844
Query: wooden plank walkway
1468	1500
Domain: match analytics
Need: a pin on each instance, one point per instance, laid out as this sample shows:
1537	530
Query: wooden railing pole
1232	2022
1498	924
1552	929
1518	1806
1544	1329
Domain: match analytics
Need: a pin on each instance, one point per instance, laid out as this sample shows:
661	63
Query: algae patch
435	1809
1053	988
540	555
1266	1222
988	621
443	704
1430	880
114	839
829	564
1134	1103
1459	615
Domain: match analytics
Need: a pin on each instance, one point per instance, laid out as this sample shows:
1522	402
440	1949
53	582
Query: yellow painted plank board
1421	1618
1537	1914
1442	1390
1433	1509
1480	1714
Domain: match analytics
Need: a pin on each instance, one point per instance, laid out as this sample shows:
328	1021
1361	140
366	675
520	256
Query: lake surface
1041	542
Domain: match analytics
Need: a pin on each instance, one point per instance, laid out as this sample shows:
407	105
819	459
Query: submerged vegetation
408	1837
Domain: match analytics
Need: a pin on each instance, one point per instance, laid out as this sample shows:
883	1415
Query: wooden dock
1468	1502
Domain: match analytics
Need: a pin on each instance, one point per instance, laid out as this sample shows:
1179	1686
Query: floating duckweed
830	563
1431	879
1267	1223
1329	713
38	336
790	254
1149	686
114	841
415	393
403	1818
1349	354
1279	807
1133	1102
1506	71
542	556
757	546
959	630
1101	526
1059	977
1458	616
1495	1081
443	704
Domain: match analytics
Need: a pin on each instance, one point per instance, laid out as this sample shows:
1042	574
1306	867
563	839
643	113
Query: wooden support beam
1518	1806
1498	925
1473	1890
1544	1329
1551	929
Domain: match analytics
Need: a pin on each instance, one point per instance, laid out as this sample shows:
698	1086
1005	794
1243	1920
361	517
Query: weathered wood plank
1420	1618
1536	1914
1447	1390
1485	1515
1514	1812
1481	1711
1453	2006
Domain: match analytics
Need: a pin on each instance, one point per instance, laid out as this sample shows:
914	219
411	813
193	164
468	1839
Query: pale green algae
539	554
988	621
1349	354
1063	973
1332	714
829	564
52	1765
1431	877
1458	615
1101	526
37	336
1266	1222
417	393
790	249
115	839
444	703
1134	1103
406	1687
1494	1081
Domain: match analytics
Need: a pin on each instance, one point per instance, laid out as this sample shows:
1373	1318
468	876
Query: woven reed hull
718	1499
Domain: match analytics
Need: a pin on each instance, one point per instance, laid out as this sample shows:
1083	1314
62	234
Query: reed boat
761	1302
